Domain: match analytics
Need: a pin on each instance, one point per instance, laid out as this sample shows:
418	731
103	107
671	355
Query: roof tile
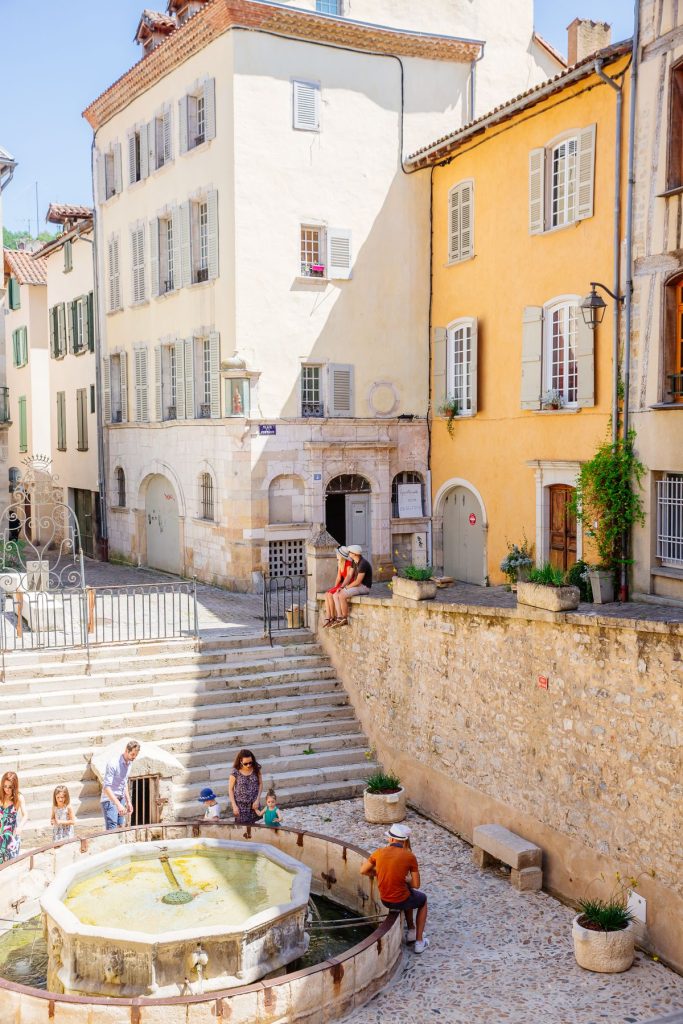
27	268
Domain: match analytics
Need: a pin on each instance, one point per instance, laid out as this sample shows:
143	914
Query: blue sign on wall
317	476
267	428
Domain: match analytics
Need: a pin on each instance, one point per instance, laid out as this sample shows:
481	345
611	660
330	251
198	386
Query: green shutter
24	346
14	294
15	347
23	433
91	323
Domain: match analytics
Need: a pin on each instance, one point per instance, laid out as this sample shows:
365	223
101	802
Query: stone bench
495	843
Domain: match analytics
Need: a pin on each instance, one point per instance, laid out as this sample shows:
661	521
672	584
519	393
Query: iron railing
284	603
676	386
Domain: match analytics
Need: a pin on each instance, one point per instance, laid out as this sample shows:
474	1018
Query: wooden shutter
101	177
454	224
24	345
185	267
585	362
157	384
52	321
586	173
132	162
340	390
167	133
212	233
137	247
339	253
215	356
152	139
90	321
177	254
118	170
144	153
71	335
306	104
474	359
466	220
439	367
15	347
180	379
536	191
61	328
154	256
210	108
81	442
532	357
182	124
61	421
141	386
113	270
190	405
106	387
123	365
23	433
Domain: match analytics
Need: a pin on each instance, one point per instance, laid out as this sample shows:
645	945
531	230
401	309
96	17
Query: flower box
553	599
413	590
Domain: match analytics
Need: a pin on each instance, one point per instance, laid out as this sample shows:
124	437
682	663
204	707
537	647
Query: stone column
321	567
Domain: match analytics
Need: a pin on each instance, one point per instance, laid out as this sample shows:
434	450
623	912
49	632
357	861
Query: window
137	250
306	106
311	392
61	421
120	480
160	134
197	116
202	264
674	170
82	419
114	274
237	396
57	320
561	355
167	381
92	398
141	385
68	256
461	222
461	366
206	489
199	225
166	255
673	343
110	178
138	155
407	478
312	249
202	377
561	177
115	388
205	395
287	558
670	520
77	317
14	294
328	7
23	427
20	346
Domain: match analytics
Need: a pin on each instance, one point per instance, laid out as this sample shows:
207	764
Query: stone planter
384	808
602	585
414	590
553	599
604	952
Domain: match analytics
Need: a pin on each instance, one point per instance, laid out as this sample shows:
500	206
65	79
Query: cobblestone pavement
495	955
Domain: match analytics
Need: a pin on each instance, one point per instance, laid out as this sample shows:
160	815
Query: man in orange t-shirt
398	877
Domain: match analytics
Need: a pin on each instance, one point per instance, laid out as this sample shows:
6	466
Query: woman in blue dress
13	817
244	788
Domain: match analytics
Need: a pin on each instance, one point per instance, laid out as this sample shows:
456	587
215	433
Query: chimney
584	37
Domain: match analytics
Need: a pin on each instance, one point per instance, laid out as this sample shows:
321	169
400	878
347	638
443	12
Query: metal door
463	537
562	552
163	533
358	521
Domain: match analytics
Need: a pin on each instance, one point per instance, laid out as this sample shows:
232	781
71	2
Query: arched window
120	478
407	477
206	493
349	483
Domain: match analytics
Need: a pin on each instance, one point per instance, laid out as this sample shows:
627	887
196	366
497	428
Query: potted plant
517	563
384	798
552	399
546	588
416	582
603	931
450	409
606	500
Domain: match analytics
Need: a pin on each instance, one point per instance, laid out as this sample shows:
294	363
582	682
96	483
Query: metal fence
284	603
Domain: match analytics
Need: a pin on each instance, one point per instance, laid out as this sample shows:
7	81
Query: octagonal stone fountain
153	918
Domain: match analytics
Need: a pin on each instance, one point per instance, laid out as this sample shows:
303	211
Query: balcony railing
312	409
4	405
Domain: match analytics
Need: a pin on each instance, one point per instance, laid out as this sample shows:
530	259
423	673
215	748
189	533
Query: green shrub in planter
417	572
547	575
610	915
383	782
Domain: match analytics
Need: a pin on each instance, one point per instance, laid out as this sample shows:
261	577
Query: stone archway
162	525
460	513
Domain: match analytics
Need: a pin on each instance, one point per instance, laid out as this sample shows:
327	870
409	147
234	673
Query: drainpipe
473	81
97	317
616	274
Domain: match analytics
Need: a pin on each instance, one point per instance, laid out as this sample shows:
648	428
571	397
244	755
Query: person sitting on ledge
392	865
360	584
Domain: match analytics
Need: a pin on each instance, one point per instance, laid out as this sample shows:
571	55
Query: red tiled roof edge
26	268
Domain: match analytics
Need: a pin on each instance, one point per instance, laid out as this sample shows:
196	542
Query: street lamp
593	306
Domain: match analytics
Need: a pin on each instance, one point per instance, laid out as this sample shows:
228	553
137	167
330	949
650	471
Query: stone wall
589	768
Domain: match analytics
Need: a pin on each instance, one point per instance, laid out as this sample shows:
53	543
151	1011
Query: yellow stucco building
522	390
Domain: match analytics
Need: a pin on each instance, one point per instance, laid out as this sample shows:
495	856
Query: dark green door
84	515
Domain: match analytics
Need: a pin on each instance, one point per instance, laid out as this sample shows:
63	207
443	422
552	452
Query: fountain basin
110	932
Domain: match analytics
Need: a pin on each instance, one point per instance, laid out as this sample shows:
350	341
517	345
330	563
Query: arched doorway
347	510
162	526
562	546
463	536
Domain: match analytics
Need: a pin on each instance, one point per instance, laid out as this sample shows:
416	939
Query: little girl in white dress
63	819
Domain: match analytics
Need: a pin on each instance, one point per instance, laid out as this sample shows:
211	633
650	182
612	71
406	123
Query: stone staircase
200	705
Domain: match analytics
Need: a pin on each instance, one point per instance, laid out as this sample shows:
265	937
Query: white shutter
180	379
532	357
182	124
454	224
177	258
118	170
141	386
167	134
585	367
339	253
132	162
190	406
106	383
61	328
212	232
113	270
473	366
52	322
536	191
215	356
586	173
184	268
152	146
154	257
439	366
123	365
137	248
210	108
466	220
144	153
340	390
101	177
306	104
157	383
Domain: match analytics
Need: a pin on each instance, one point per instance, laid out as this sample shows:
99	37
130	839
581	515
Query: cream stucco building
263	267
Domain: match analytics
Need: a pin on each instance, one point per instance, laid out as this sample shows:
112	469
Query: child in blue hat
210	801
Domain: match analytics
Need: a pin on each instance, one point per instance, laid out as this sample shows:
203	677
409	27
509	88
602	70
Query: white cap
401	832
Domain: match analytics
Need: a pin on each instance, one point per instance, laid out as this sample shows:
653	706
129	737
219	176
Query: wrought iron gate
284	603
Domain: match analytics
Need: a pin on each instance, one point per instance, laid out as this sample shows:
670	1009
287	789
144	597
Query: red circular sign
473	519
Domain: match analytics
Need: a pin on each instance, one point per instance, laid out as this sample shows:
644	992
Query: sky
53	66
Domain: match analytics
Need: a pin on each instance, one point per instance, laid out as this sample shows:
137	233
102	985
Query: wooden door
562	528
463	537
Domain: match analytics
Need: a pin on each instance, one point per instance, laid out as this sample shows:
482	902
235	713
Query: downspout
473	83
101	465
616	274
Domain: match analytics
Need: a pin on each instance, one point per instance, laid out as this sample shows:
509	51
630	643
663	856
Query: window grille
311	252
670	520
407	477
563	183
120	488
459	367
207	496
328	6
143	797
562	361
349	483
311	398
287	558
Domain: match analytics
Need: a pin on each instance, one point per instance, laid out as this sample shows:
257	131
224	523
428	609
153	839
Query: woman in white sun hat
392	865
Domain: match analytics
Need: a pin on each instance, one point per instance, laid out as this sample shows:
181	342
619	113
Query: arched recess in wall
460	509
286	499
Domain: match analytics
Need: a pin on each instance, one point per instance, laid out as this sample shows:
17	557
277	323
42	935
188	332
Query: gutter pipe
97	317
